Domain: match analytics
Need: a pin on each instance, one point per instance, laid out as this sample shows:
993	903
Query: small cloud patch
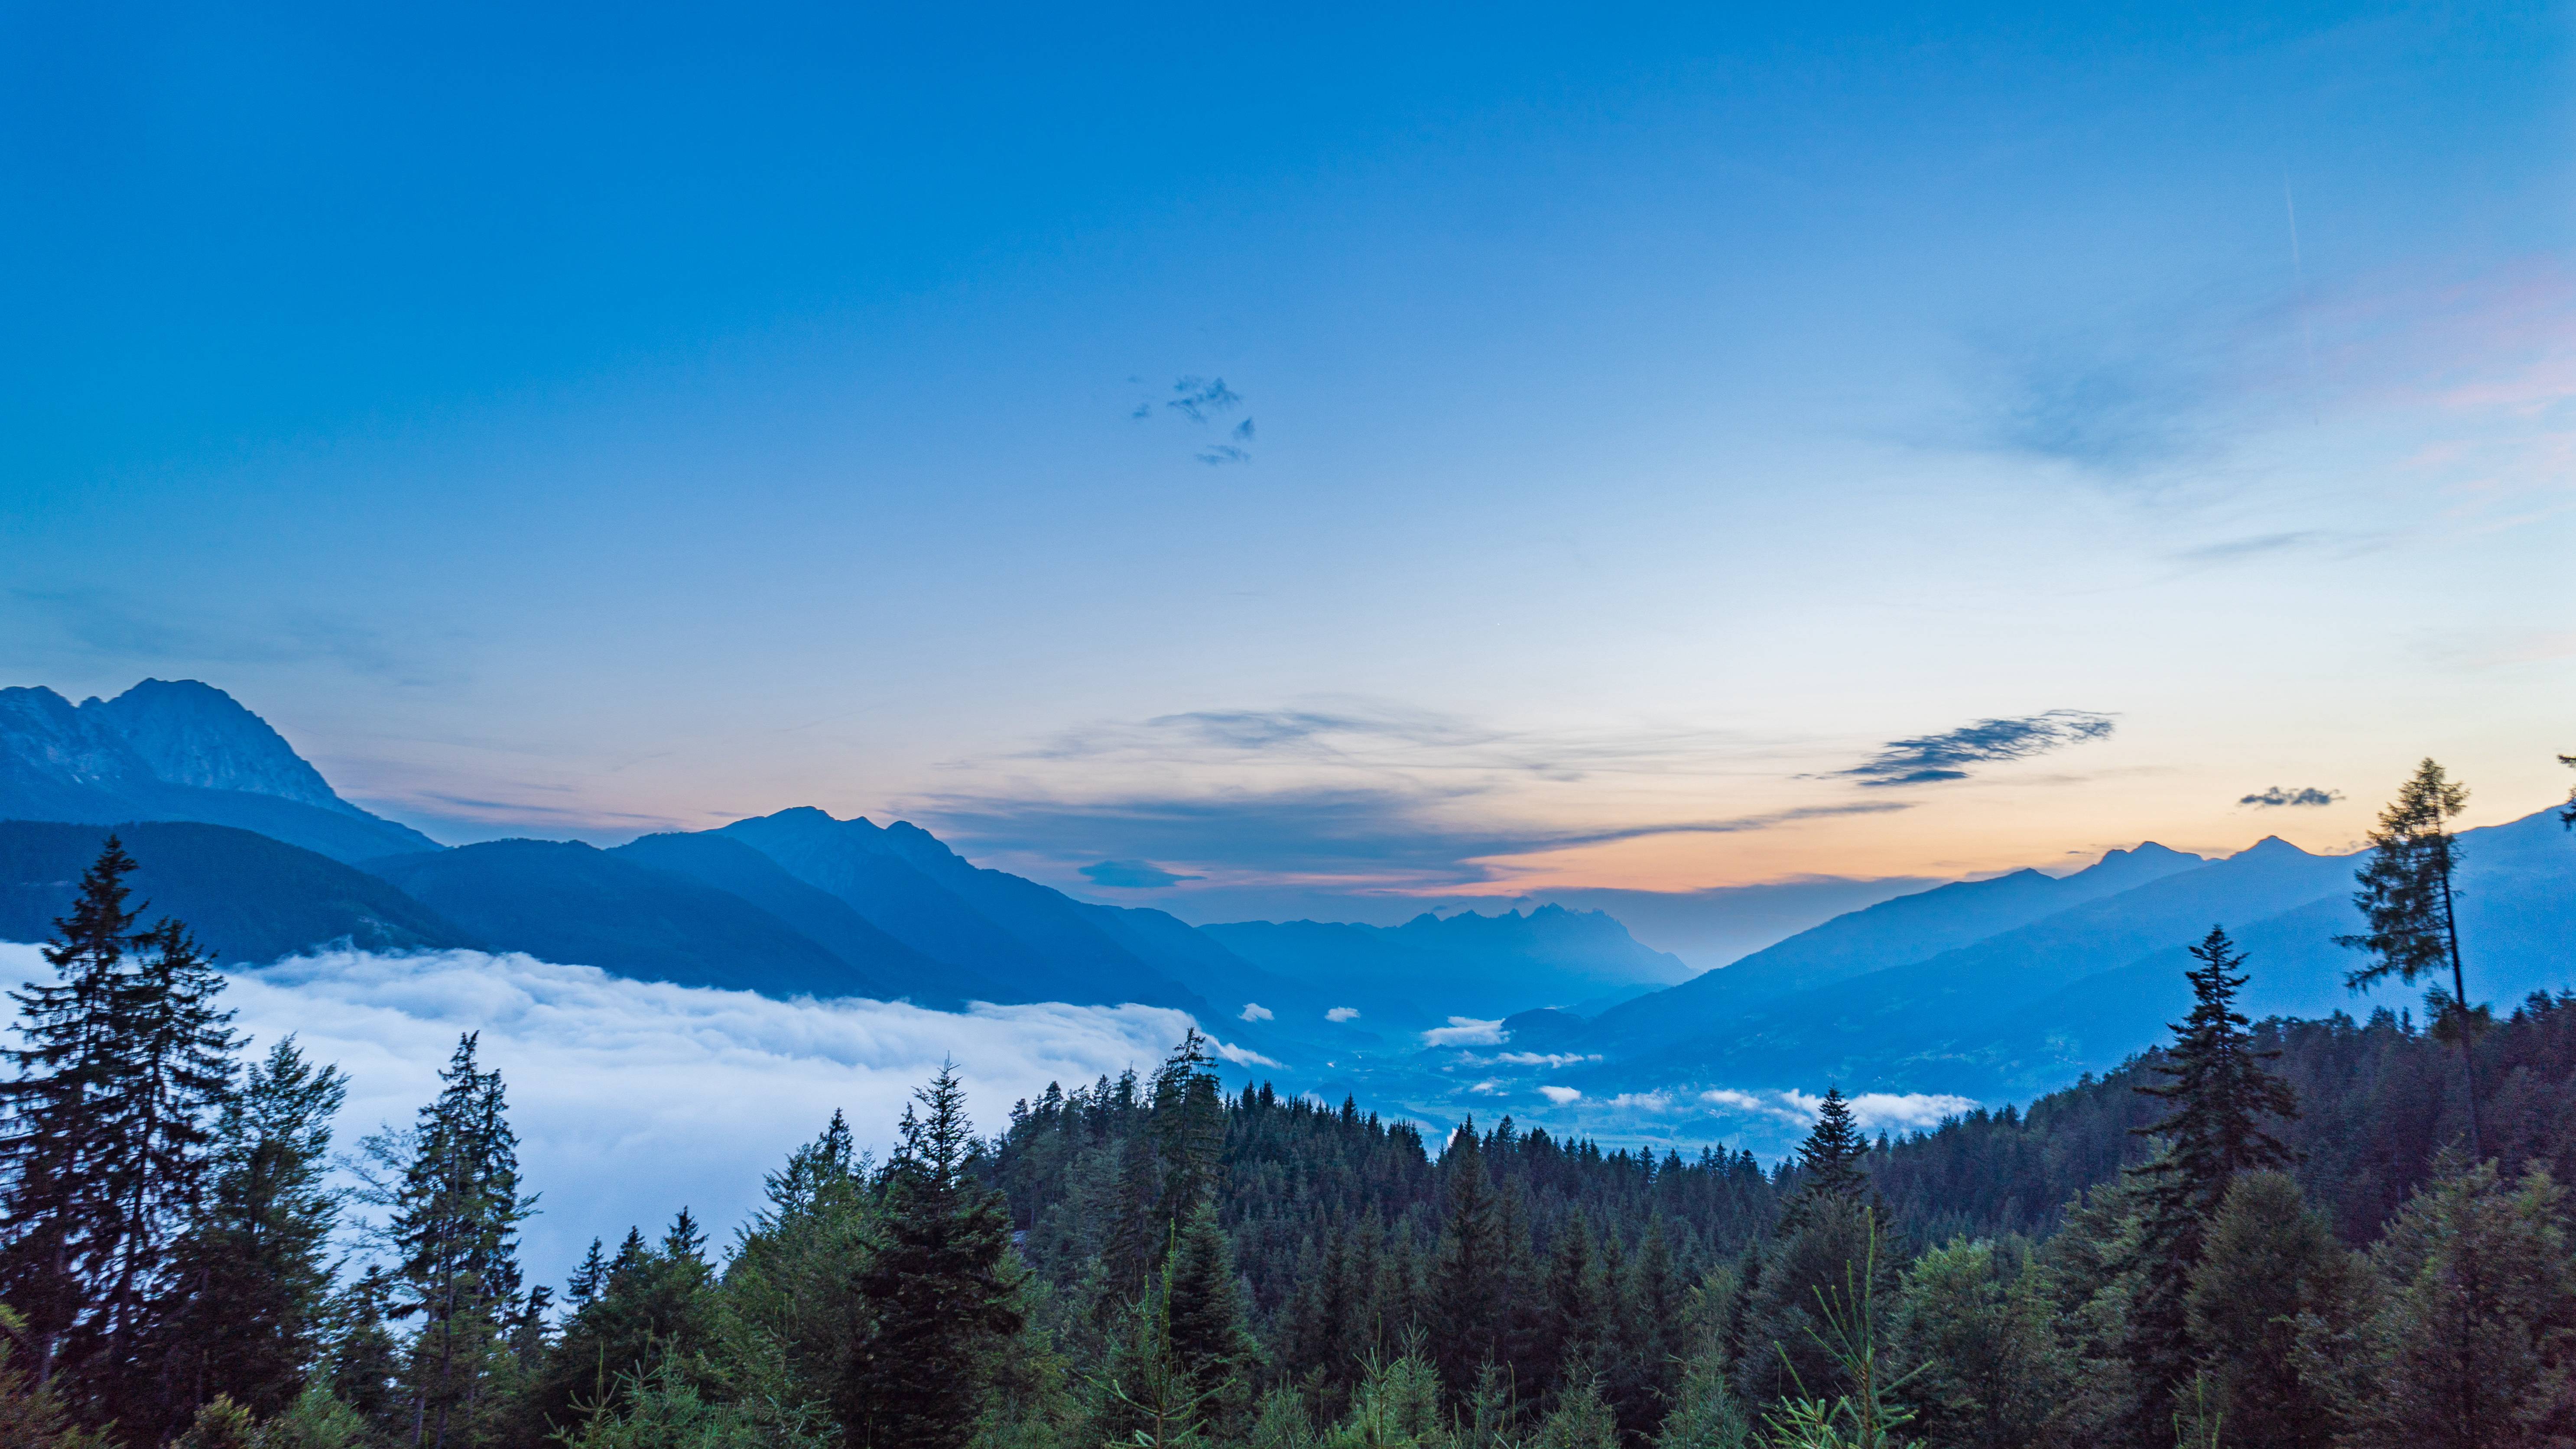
1642	1101
1561	1096
1546	1059
1869	1109
1255	1011
1930	759
1467	1031
1343	1013
2305	795
1132	875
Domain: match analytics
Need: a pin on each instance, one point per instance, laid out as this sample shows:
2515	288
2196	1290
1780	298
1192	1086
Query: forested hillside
2292	1233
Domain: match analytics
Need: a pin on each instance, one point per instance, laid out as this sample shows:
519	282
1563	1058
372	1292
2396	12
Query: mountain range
1987	989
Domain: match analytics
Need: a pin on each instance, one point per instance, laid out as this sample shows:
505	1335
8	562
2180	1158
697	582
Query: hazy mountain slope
2517	909
1892	933
1464	965
250	898
567	902
1060	929
1230	984
891	968
1927	1026
854	861
223	765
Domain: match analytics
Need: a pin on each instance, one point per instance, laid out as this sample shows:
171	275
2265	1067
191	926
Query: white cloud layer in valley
634	1098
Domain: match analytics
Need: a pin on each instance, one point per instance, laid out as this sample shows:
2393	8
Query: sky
1317	460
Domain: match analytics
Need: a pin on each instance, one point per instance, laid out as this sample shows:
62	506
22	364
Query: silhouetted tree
2405	898
2220	1097
942	1286
456	1211
255	1270
1466	1299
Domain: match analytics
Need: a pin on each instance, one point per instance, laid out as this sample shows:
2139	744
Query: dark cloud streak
2305	795
1931	759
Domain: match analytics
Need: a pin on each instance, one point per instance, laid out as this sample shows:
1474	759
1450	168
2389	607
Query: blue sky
603	419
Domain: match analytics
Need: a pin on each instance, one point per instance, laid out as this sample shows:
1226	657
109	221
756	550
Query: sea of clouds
634	1098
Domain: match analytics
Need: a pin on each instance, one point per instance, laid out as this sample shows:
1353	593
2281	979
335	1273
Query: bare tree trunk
2460	999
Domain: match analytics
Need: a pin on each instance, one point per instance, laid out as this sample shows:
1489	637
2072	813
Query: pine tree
943	1284
2405	897
2481	1328
1978	1333
1208	1333
1577	1325
255	1266
365	1369
456	1215
64	1234
1189	1128
1830	1159
175	1074
650	1314
127	1058
1466	1305
2269	1266
2221	1095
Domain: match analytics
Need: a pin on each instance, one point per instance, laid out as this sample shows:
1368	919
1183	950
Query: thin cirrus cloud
1467	1031
1932	759
1401	835
2305	796
632	1099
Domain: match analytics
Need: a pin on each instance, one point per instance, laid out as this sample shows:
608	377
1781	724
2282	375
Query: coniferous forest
2284	1233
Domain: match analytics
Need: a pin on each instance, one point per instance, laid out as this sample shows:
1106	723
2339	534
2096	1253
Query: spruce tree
1209	1342
255	1268
2220	1096
2270	1275
1830	1159
456	1215
943	1286
63	1230
649	1315
2480	1330
1466	1301
126	1059
174	1074
2405	898
1577	1324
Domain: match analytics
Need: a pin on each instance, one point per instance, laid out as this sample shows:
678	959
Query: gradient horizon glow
1657	449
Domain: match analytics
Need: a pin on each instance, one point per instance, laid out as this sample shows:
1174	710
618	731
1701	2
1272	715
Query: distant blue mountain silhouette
1990	989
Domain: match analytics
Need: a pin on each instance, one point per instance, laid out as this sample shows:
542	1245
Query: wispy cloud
1928	759
1203	401
1255	1011
1400	836
1342	1013
102	623
2276	796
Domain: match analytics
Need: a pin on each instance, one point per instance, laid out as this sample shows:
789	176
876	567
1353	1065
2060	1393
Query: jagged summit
191	733
176	750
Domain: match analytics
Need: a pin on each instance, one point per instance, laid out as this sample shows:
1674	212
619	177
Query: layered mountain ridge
1986	990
